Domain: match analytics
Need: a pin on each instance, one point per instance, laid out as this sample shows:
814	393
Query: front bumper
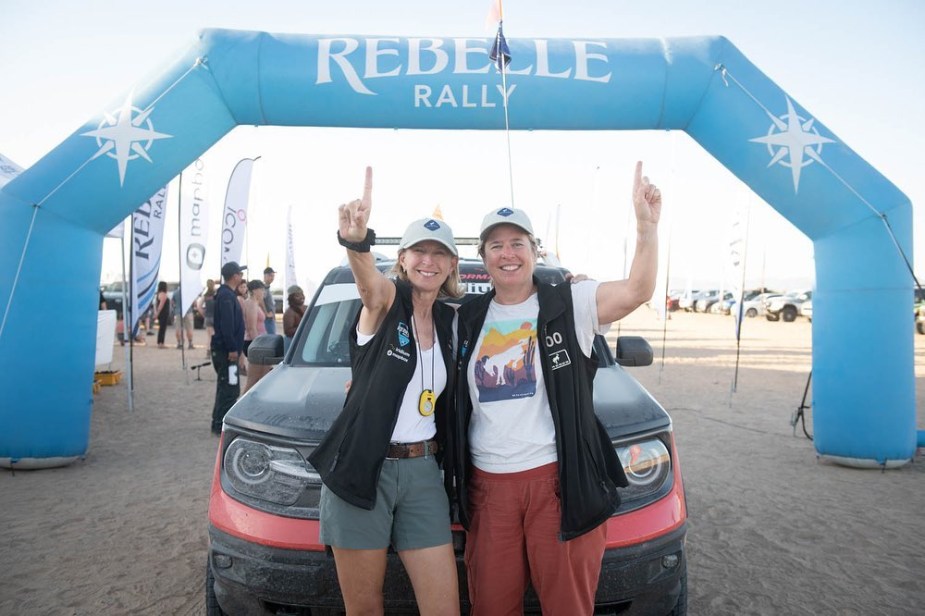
258	580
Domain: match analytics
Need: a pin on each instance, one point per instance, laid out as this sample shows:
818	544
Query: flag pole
740	303
672	178
127	332
130	332
180	324
507	124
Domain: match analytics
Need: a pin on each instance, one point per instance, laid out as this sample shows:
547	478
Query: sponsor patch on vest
559	359
404	334
398	353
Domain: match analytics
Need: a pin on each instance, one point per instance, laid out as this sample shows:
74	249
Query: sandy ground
772	529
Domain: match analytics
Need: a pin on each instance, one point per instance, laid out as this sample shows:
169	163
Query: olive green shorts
411	511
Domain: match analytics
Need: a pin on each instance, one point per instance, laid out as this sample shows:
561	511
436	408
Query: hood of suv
624	406
293	401
302	402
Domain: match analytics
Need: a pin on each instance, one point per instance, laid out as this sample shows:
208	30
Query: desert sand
772	529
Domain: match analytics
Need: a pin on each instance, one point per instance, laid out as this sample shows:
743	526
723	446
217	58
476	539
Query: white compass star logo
120	135
794	136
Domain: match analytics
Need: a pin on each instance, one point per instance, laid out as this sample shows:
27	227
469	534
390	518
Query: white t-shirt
511	428
429	373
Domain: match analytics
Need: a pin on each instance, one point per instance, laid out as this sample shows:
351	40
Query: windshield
325	339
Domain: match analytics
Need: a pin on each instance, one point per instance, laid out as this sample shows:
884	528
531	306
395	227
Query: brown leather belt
412	450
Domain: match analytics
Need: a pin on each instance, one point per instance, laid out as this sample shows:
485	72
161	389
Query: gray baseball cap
505	216
428	229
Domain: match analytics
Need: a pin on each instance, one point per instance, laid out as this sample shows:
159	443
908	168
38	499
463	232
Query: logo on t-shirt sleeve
505	367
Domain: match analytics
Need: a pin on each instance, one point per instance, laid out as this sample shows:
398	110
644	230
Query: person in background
293	315
206	307
182	322
162	310
227	344
269	304
535	472
103	305
254	325
378	463
241	293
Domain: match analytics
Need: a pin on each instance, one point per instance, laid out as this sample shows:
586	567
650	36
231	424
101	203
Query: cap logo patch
432	224
505	211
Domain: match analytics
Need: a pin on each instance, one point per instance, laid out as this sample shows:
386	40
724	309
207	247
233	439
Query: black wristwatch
368	241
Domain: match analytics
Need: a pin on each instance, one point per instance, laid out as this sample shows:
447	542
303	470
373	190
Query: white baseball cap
428	229
505	216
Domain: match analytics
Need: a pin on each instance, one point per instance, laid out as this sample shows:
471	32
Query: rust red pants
514	538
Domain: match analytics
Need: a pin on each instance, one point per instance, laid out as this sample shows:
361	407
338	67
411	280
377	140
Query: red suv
264	554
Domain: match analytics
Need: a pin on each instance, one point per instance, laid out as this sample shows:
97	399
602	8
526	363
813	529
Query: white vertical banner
194	225
234	216
737	244
147	240
290	255
8	170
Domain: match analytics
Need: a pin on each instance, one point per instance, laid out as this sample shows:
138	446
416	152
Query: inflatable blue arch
56	213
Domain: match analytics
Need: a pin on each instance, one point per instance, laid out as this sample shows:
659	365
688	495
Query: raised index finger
638	179
368	186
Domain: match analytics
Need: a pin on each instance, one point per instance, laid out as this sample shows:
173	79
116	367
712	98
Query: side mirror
266	350
631	351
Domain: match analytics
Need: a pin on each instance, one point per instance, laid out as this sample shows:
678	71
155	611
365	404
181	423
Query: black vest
589	469
349	458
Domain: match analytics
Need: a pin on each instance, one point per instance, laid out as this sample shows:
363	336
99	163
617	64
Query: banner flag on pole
290	254
494	14
8	170
500	53
194	231
147	240
234	216
737	245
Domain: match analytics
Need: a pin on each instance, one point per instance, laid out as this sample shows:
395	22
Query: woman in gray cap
536	474
380	460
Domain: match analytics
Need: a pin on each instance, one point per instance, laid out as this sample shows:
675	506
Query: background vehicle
673	300
688	299
786	307
919	310
758	305
112	293
806	309
707	299
264	554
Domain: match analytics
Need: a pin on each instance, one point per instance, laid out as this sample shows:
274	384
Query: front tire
751	313
680	608
789	314
212	606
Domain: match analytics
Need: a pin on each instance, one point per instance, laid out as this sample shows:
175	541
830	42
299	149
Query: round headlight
251	462
268	472
647	465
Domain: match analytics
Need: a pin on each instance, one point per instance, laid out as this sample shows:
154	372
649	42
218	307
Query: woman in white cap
379	460
536	474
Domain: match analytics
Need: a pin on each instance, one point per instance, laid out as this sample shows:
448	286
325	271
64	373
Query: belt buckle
391	445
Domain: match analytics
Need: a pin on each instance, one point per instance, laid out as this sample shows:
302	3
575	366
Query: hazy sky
857	66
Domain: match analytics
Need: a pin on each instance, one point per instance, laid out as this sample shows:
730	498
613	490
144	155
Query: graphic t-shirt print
505	367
